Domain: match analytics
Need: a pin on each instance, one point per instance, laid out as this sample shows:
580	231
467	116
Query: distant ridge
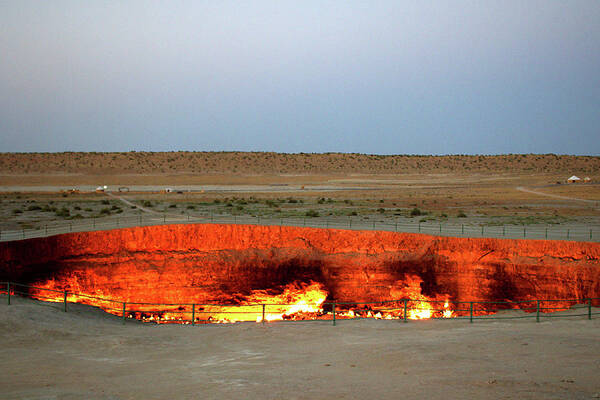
283	163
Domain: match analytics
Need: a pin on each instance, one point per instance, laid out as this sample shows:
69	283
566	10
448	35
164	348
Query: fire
294	301
297	301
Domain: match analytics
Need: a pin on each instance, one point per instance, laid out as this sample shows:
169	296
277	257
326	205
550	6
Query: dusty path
555	196
129	203
86	354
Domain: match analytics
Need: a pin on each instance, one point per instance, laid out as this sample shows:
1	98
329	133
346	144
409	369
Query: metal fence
575	233
194	313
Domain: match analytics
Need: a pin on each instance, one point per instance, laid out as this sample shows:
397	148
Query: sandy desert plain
85	353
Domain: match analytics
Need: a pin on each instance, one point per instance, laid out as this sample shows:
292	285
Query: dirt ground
87	354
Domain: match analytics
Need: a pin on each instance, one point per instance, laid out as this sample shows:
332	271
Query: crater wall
207	262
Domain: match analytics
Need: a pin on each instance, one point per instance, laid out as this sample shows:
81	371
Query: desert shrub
380	210
77	208
88	209
415	212
77	216
105	202
271	203
443	215
217	201
115	208
17	211
228	205
63	212
312	213
353	213
190	207
292	200
461	214
34	208
147	203
239	208
172	205
105	211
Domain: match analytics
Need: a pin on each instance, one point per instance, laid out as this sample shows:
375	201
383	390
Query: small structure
573	179
587	179
101	188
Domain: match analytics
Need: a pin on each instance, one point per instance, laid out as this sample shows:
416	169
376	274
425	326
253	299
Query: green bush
191	207
34	208
63	212
415	212
461	214
105	202
312	213
105	211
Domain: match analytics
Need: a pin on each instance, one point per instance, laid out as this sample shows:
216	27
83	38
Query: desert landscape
299	200
508	357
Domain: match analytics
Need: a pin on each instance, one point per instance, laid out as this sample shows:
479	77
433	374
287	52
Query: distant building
587	179
573	179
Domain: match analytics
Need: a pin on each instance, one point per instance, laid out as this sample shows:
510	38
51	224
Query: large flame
294	301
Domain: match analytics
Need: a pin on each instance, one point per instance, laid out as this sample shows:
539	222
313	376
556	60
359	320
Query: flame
294	301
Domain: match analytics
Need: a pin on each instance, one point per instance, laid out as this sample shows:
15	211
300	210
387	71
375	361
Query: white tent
573	179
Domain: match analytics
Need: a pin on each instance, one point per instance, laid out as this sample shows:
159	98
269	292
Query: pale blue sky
386	77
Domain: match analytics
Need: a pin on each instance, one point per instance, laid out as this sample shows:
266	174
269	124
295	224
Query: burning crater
225	270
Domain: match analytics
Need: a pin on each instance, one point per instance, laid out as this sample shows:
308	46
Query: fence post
405	316
440	228
350	225
568	233
65	301
94	223
373	225
46	230
23	233
589	308
481	230
304	221
462	229
419	227
193	314
537	312
503	230
263	313
164	218
546	233
590	234
524	231
471	312
118	219
326	223
8	291
124	316
396	227
333	313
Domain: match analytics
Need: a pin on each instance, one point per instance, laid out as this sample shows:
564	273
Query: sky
378	77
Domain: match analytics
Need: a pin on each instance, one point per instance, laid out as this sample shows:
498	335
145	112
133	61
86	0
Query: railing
576	233
398	310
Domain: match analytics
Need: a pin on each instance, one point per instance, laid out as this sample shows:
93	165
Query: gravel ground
85	353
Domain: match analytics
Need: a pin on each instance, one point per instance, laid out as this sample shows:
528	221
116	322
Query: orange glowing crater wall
226	263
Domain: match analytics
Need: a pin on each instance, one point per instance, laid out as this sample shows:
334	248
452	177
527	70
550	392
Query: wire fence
399	309
574	233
